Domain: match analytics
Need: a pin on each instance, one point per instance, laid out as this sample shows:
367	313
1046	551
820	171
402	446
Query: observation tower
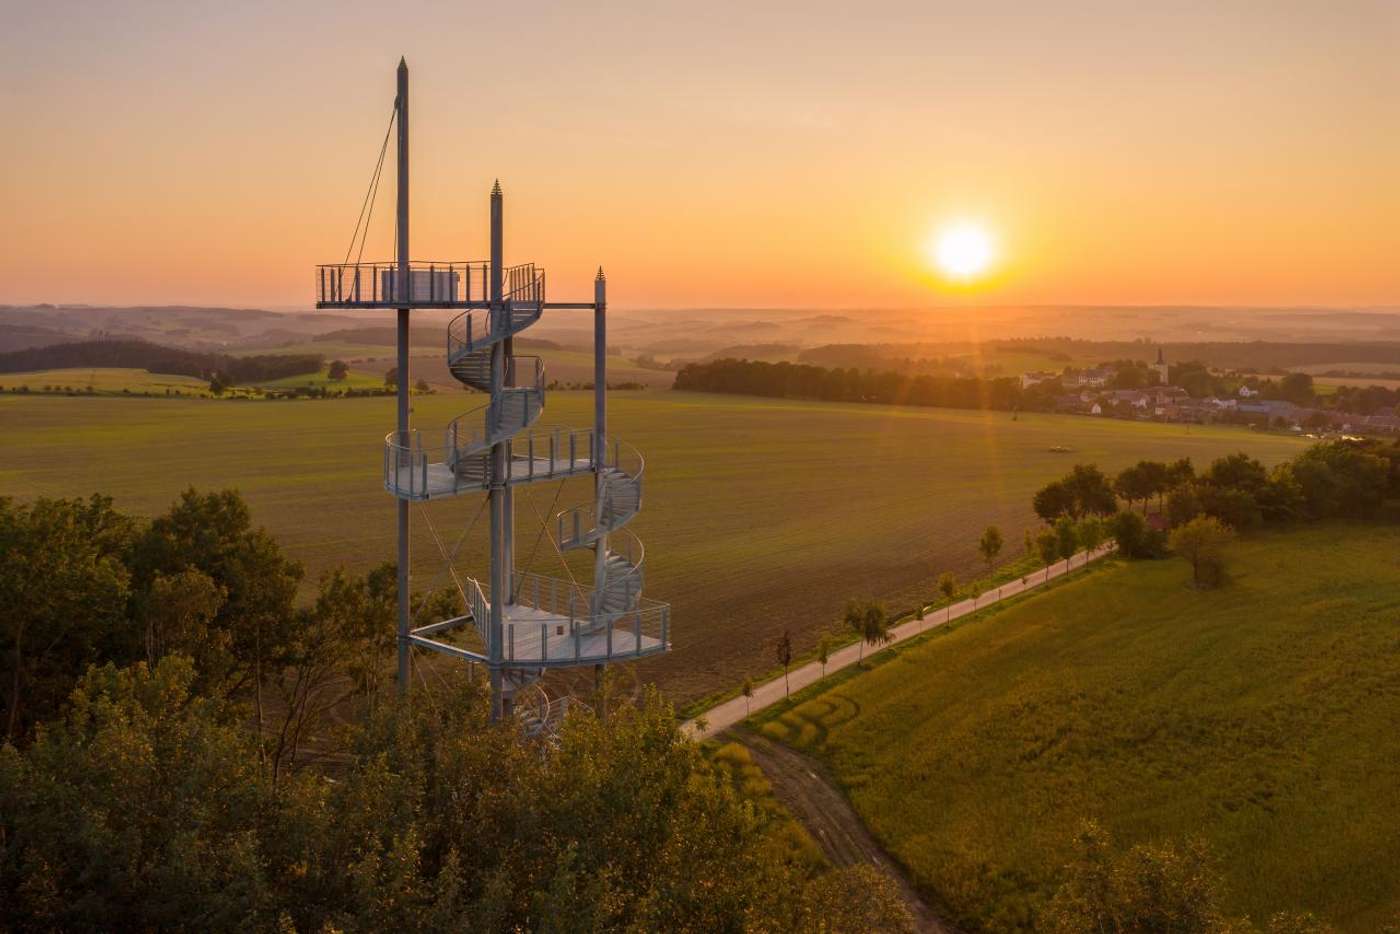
517	623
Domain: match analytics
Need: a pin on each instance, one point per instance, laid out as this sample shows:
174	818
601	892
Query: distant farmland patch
157	358
104	380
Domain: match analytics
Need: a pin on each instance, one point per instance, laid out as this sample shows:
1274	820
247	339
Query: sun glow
963	251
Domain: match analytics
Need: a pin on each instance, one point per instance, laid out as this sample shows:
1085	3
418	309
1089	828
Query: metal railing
545	455
427	283
406	464
537	714
573	603
479	608
627	584
576	527
523	291
495	418
415	471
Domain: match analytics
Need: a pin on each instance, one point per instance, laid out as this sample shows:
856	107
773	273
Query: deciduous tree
1090	533
783	651
1201	542
1093	494
948	586
1183	505
1151	887
870	622
1048	547
1131	484
177	612
1052	501
1237	471
990	545
64	588
1066	539
213	533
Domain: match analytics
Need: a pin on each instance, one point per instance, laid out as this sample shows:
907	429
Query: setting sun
963	251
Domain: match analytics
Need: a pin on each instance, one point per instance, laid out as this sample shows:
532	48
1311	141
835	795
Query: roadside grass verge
838	635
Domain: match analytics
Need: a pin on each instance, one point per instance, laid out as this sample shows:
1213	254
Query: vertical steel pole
600	434
496	495
402	294
600	367
511	378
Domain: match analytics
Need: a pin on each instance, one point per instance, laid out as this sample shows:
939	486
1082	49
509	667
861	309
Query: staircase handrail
477	329
620	456
461	440
406	458
553	594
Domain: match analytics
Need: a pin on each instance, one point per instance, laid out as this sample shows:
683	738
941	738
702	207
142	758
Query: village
1133	390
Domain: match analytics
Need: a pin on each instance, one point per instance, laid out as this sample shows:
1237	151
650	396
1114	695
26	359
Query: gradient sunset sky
722	154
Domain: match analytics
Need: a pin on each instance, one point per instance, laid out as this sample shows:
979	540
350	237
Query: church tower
1161	367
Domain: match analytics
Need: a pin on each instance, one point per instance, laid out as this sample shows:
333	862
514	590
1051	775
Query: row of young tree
156	358
189	748
1197	513
1196	517
1347	479
905	385
803	381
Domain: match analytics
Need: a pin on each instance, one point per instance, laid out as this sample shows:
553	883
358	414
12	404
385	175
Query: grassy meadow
1262	716
105	381
759	514
355	379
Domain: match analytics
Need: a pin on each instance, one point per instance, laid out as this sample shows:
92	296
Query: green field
356	379
564	366
121	380
105	380
1263	716
759	514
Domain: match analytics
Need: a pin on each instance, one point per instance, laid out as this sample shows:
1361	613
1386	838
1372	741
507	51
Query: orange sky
735	154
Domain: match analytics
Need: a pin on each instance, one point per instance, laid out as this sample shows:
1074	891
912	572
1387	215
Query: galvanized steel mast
402	292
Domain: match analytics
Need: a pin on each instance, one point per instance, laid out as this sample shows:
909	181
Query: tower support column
497	493
402	291
600	432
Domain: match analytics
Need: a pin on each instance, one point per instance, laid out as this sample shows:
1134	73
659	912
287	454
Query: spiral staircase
547	621
534	621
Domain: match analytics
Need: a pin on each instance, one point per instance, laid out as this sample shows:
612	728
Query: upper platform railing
427	285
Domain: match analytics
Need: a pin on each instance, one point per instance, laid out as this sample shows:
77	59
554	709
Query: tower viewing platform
379	285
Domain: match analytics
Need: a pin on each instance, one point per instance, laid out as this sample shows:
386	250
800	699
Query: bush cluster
1332	479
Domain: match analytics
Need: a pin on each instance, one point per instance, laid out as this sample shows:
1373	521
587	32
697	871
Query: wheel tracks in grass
800	785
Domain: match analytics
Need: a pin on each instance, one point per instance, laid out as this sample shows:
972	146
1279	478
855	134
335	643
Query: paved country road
727	713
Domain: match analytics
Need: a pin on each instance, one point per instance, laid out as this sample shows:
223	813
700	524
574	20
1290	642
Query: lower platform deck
424	481
535	638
